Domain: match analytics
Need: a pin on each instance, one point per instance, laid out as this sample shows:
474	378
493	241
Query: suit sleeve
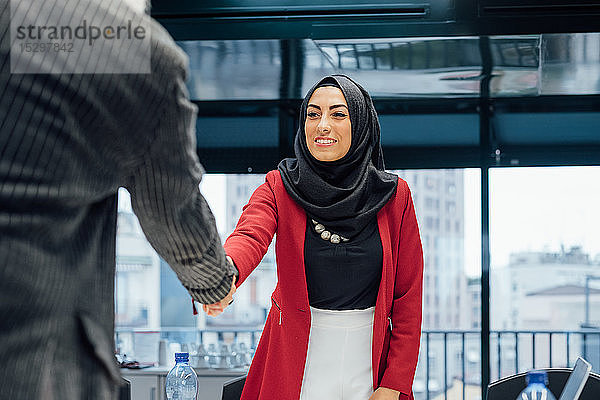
173	214
254	231
407	306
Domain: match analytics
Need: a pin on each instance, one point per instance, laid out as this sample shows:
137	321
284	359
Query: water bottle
536	387
182	382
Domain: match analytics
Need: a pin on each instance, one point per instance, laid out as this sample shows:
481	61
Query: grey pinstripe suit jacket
67	143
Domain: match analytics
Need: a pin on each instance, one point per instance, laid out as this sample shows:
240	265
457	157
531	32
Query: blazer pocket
276	304
101	345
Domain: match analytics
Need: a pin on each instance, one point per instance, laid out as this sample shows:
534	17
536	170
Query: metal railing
430	53
450	357
191	335
444	357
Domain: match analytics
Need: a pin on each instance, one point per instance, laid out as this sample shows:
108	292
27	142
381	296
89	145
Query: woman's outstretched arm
254	231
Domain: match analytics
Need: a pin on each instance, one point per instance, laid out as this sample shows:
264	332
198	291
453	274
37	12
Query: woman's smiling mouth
324	141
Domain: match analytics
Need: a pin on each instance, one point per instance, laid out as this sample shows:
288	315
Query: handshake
215	309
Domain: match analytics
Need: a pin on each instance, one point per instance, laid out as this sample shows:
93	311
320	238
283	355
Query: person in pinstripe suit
67	143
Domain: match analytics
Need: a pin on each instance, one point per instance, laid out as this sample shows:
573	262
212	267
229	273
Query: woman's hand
385	394
215	309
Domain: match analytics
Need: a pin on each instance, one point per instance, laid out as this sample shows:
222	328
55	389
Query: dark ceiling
455	87
327	19
523	65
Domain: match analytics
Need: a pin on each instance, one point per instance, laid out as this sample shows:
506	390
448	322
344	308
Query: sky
531	209
213	189
534	209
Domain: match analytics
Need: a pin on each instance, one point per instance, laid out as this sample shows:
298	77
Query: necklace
327	235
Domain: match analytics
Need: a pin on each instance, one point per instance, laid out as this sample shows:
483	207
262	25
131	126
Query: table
149	383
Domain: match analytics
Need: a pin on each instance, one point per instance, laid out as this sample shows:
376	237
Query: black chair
125	390
510	387
232	389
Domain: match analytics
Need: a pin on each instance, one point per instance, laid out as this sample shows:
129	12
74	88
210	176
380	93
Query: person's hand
215	309
385	394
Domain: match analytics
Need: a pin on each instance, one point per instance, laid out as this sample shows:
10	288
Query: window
150	297
432	204
429	222
450	207
431	182
544	245
451	259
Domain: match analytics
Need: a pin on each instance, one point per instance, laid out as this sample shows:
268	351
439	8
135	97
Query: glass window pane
447	203
524	65
448	211
233	69
406	66
544	248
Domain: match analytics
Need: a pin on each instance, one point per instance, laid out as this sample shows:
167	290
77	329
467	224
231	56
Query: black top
343	276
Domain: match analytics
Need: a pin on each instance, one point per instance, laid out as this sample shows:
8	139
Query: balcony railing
450	360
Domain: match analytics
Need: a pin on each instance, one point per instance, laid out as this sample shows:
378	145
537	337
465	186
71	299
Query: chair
232	389
125	390
509	388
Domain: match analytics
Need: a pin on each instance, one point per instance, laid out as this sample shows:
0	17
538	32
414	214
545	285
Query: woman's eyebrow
337	106
330	107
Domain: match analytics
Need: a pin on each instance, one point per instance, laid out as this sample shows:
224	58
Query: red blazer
278	365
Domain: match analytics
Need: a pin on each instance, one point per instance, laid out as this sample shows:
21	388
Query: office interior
489	109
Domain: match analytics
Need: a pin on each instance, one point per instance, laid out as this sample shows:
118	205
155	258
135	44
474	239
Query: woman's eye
339	114
312	114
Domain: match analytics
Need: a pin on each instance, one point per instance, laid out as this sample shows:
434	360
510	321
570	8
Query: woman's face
327	127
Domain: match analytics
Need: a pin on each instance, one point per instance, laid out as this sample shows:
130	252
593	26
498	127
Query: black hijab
346	194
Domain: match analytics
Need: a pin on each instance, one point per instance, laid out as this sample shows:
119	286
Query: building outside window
544	251
545	268
447	303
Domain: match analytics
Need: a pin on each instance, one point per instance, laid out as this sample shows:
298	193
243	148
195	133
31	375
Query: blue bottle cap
182	357
537	377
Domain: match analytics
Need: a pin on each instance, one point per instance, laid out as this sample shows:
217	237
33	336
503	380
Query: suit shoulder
400	196
273	177
403	185
167	56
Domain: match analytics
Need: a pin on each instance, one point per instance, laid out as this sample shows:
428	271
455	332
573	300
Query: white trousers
338	362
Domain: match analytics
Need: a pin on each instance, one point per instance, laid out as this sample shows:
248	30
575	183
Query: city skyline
519	203
570	217
523	221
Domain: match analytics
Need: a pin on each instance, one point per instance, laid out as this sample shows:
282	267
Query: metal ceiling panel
429	130
241	132
523	65
558	128
234	69
315	19
309	9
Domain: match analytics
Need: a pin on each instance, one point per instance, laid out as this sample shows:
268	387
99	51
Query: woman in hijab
346	312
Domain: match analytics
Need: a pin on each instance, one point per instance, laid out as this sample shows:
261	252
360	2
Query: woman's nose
324	126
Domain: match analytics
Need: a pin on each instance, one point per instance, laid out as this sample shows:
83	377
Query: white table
149	383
